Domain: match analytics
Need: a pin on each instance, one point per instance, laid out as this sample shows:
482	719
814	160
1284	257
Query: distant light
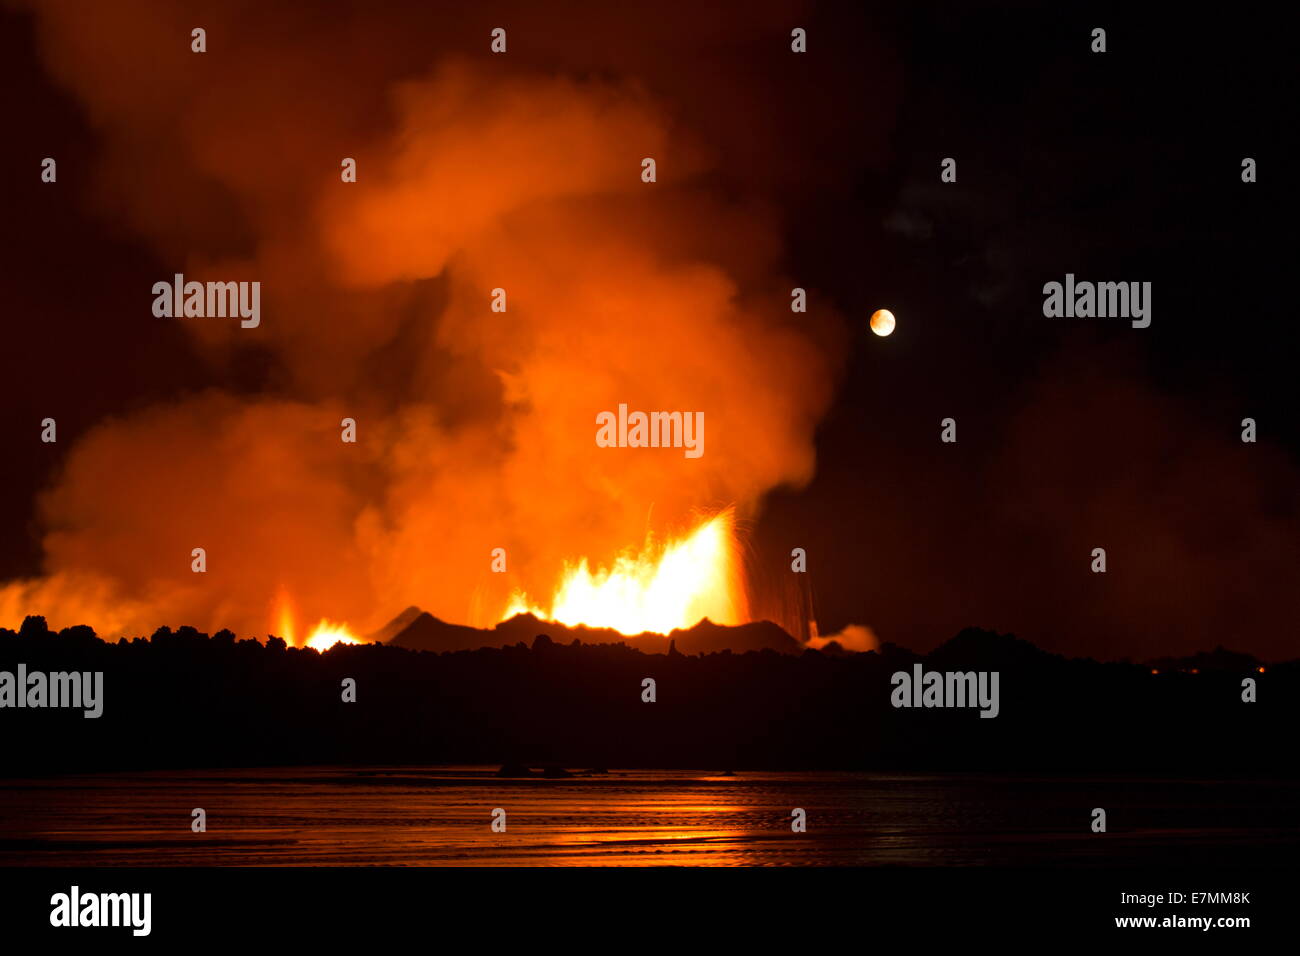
1261	670
1154	671
882	322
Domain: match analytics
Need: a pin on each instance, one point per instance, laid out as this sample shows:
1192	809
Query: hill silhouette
424	632
186	699
395	626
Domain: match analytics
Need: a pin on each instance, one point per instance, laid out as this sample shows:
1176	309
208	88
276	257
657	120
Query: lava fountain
327	633
323	636
660	588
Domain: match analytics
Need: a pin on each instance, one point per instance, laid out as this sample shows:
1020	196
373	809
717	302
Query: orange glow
659	589
328	633
284	618
324	636
488	435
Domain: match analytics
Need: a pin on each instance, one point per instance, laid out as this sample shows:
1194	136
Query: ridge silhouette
424	632
185	699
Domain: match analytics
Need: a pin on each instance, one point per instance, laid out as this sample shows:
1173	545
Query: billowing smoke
475	428
854	637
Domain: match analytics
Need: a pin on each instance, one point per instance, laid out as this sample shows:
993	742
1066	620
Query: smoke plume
475	428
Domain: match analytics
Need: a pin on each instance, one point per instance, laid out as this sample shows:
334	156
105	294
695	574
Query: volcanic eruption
658	589
496	275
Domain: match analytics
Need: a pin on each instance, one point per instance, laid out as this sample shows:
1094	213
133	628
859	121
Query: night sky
1072	433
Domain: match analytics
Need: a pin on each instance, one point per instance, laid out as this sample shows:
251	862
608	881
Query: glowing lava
327	634
659	589
323	636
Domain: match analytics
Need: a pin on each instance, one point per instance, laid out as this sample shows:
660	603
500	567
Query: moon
882	322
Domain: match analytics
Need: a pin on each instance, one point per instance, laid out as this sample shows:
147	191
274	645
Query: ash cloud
476	428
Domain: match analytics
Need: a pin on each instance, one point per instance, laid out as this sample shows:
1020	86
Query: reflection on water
442	816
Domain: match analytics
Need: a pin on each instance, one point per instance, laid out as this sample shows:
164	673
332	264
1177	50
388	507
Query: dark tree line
184	699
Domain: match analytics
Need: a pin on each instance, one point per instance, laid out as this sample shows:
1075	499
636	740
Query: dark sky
1072	433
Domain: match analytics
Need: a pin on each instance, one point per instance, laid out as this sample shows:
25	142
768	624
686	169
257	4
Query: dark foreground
184	699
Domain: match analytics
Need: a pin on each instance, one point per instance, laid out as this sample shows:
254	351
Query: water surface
441	816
